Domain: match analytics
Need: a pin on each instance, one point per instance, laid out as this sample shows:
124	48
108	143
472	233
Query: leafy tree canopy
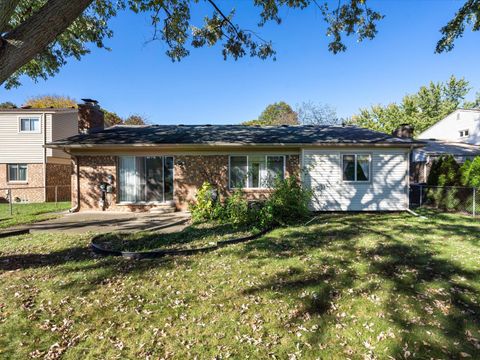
422	109
38	36
279	113
51	101
7	105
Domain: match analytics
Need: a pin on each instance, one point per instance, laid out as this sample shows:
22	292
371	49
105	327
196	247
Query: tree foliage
422	109
37	37
445	171
279	113
7	105
51	101
135	119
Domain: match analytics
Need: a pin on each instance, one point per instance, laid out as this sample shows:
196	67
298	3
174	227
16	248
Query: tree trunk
37	32
7	7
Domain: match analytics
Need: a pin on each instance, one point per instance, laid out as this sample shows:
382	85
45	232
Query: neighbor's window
29	125
256	171
356	167
464	133
17	172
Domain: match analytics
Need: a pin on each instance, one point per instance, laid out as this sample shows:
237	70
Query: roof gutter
229	145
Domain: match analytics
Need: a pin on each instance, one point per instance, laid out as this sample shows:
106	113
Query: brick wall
31	191
92	171
190	171
58	175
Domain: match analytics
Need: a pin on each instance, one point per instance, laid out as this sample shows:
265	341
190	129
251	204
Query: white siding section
16	147
387	190
449	128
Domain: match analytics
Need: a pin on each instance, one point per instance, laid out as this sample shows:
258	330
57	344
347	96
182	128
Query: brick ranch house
140	168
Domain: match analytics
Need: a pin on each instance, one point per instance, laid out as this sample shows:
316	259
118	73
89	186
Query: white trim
356	165
33	117
17	181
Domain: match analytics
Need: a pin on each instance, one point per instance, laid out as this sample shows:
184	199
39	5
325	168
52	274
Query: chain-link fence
25	200
446	198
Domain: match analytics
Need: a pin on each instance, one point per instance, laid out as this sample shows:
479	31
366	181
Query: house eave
229	145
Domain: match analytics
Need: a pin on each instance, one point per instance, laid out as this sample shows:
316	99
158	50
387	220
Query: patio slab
102	222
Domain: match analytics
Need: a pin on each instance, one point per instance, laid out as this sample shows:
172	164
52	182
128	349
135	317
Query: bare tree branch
36	33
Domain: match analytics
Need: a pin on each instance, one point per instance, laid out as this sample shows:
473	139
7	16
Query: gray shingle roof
232	134
439	147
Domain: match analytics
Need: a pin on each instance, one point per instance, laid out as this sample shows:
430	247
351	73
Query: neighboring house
31	171
146	167
422	158
458	135
460	126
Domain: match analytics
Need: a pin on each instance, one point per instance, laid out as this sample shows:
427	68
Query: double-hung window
356	167
30	124
464	133
17	172
255	171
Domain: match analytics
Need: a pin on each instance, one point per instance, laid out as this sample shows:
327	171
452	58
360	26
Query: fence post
10	203
473	204
56	195
421	195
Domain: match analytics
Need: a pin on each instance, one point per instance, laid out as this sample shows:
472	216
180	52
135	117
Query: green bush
287	204
236	210
445	171
465	171
205	208
471	173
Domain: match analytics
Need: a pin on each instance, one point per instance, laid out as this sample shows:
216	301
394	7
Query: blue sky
136	76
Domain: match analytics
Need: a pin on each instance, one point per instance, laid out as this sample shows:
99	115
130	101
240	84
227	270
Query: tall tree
310	113
422	109
51	101
38	36
279	113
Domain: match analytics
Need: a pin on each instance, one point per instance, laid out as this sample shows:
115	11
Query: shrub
287	204
206	207
236	210
471	175
464	171
445	171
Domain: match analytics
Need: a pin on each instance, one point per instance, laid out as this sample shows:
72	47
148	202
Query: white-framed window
29	124
17	172
464	133
356	167
255	171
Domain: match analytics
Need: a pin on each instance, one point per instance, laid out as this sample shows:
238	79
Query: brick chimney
90	117
404	131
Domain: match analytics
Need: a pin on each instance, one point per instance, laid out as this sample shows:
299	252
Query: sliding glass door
145	179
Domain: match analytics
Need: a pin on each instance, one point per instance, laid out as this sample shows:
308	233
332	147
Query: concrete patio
102	222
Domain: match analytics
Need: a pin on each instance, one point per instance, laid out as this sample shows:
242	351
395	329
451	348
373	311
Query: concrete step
162	209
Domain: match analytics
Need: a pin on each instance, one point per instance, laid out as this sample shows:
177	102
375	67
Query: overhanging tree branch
24	42
7	7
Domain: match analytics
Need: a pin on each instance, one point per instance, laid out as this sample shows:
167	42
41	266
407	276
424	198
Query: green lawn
345	286
29	213
194	236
